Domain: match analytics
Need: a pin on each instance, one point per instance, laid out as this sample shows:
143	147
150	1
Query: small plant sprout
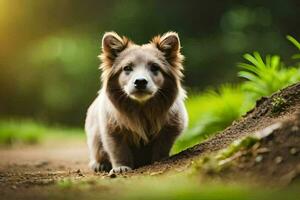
278	104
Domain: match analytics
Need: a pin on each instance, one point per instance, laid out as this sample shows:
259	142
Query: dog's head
141	71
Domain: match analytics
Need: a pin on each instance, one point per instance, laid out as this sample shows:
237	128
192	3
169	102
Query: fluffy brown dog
139	111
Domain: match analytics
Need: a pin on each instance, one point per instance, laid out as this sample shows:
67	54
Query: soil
275	159
43	165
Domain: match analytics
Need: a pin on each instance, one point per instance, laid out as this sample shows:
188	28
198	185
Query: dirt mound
269	155
275	158
280	106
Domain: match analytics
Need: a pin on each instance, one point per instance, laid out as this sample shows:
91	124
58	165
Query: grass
15	132
172	186
26	132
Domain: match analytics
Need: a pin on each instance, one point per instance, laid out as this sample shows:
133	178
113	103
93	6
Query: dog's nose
140	83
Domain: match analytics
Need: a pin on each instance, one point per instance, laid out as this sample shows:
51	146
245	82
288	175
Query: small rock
156	173
41	164
80	174
295	128
259	158
263	150
112	175
278	159
293	151
14	187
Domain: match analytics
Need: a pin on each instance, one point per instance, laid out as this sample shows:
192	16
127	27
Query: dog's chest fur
139	125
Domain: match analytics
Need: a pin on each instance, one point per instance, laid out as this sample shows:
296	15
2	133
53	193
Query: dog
139	111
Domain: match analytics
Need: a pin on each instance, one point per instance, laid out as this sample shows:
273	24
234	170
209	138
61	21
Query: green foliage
244	143
217	162
266	77
296	43
14	132
24	132
210	112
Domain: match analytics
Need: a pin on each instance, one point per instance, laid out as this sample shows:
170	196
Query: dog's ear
169	44
113	45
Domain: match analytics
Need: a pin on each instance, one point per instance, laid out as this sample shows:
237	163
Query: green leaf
294	41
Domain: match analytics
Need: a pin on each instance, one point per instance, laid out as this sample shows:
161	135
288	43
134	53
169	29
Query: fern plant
265	77
296	44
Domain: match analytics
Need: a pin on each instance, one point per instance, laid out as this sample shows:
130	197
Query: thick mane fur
144	120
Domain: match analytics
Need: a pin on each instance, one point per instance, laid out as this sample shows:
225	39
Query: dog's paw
100	167
119	170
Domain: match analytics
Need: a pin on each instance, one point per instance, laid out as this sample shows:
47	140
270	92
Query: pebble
263	150
293	151
295	128
259	158
14	187
80	174
42	163
78	171
156	173
113	175
278	159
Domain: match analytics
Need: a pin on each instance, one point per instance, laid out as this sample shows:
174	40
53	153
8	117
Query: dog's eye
154	67
127	68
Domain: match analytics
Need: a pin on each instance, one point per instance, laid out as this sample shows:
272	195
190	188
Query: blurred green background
48	53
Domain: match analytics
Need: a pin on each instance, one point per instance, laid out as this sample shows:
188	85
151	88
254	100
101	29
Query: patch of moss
65	183
219	161
278	104
236	146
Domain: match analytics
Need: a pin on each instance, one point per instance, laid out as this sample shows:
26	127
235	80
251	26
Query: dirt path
43	165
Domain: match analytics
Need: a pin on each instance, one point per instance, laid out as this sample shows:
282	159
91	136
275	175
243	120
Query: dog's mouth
141	95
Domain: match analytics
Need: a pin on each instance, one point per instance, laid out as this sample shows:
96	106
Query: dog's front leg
164	141
119	153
